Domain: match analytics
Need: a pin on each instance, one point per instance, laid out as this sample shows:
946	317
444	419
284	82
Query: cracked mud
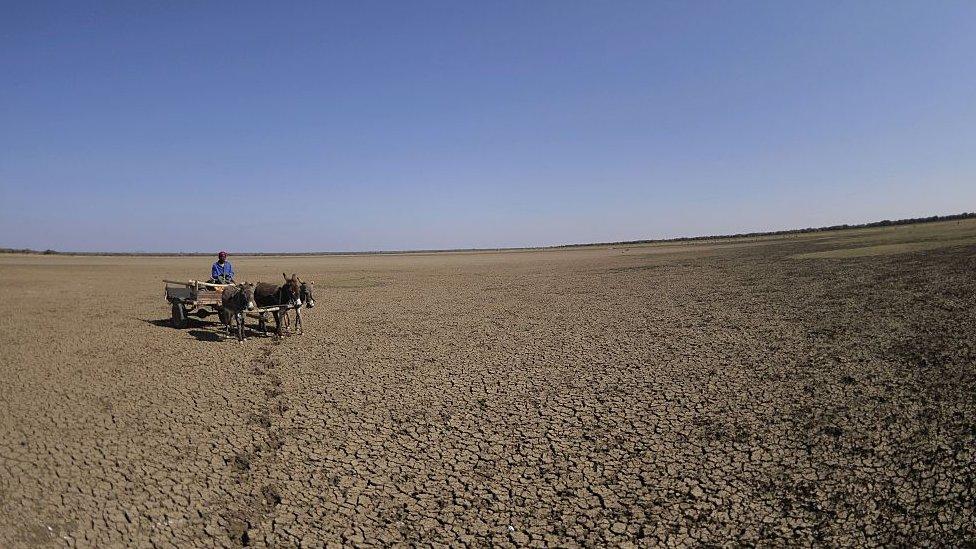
713	393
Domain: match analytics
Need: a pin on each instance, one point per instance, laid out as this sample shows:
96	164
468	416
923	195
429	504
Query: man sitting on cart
222	272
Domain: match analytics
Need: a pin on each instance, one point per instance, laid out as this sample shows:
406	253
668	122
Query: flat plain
791	390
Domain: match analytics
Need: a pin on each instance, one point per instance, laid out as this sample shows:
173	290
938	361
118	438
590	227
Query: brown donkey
234	301
284	296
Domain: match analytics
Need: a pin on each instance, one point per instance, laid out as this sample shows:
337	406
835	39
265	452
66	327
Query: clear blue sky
172	126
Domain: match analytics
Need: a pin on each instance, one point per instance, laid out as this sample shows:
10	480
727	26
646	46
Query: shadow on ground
207	335
201	330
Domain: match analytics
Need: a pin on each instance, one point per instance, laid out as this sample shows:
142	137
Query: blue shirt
224	270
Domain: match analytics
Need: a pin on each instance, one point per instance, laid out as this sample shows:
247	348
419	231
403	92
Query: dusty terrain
814	389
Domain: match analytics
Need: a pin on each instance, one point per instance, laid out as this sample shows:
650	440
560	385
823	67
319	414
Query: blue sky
131	126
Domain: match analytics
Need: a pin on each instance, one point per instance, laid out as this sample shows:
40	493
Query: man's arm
214	271
230	271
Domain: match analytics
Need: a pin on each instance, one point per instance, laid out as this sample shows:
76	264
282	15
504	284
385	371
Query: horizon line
869	225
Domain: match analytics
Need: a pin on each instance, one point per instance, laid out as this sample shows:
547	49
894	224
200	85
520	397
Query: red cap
222	254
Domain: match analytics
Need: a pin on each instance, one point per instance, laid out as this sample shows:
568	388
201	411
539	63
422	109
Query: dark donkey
307	300
234	301
286	295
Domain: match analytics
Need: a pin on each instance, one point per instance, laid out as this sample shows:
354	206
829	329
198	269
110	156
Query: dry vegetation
814	388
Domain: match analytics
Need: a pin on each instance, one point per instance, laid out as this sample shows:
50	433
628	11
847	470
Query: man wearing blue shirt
222	272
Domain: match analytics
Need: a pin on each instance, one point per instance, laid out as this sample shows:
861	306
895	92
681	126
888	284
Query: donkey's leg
277	317
298	320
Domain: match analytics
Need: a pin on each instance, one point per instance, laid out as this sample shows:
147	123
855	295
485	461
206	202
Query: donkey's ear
284	276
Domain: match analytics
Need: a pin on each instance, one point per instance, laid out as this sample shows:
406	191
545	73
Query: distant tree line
883	223
26	251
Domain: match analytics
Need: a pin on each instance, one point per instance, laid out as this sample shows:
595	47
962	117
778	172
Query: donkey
307	300
234	301
286	295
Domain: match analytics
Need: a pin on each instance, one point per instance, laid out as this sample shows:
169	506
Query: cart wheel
179	315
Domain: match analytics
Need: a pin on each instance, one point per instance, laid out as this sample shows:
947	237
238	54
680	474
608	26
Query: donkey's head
292	289
247	296
306	294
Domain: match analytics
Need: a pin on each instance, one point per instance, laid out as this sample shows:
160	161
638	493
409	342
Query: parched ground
818	389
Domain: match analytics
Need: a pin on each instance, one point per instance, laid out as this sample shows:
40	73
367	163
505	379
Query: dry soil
783	391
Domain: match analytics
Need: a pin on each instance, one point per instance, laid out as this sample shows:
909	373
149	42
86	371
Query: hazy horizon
373	127
677	238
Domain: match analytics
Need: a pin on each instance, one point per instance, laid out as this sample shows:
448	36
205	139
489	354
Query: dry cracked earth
720	393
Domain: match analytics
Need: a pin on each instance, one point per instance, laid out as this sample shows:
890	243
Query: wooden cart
193	297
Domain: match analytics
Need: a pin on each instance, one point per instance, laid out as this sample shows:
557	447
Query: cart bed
193	295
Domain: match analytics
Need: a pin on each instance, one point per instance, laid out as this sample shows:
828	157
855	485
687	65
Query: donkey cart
203	299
